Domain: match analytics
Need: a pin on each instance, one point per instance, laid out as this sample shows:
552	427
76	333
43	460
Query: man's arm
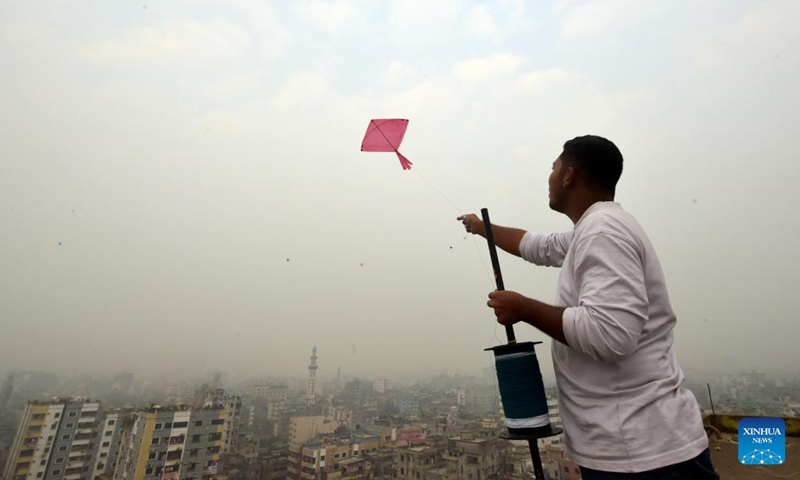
613	305
548	250
506	238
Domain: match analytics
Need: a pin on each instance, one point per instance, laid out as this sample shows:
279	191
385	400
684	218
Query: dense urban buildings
447	427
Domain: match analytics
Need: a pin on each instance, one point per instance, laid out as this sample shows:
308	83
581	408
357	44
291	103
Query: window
158	426
58	414
198	423
196	438
185	424
56	473
101	465
38	416
108	433
218	421
103	454
65	437
111	422
39	475
43	463
70	425
148	471
62	448
60	460
152	456
106	444
73	414
154	441
50	438
168	425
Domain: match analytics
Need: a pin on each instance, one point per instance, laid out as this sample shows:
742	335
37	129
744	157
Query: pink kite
385	135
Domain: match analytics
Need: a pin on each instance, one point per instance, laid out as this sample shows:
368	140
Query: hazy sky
182	187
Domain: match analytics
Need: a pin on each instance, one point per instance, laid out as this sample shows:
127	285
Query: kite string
460	212
489	276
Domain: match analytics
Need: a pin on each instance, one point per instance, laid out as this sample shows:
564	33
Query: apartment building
56	440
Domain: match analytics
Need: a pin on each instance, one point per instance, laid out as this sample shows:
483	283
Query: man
624	412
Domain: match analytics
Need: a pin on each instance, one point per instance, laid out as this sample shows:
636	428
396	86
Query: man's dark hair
597	159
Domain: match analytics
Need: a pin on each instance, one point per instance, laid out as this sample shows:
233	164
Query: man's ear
570	177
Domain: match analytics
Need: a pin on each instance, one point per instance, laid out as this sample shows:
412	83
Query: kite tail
403	161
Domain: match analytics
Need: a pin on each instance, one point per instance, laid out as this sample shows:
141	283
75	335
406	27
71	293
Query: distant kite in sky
385	135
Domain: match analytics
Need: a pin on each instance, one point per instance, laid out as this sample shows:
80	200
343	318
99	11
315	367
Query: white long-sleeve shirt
619	384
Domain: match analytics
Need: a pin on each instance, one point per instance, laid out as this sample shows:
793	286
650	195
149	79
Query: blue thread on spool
521	387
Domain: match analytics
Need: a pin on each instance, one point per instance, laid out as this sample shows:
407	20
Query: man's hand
473	224
509	307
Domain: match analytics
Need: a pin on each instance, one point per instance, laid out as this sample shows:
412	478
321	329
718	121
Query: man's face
556	186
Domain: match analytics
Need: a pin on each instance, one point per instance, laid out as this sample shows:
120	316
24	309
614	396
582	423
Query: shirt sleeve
613	304
547	250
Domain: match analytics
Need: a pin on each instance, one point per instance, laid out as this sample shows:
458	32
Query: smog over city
185	206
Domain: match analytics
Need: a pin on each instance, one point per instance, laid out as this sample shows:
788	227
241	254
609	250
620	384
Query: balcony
73	471
81	448
174	455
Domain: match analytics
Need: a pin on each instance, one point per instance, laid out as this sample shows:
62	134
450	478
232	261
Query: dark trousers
698	468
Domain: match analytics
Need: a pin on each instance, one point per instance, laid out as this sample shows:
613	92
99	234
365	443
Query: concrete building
176	443
272	393
382	385
408	404
57	440
302	429
455	459
555	421
559	466
112	433
320	459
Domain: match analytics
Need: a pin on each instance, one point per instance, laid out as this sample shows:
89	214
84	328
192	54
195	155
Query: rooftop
725	456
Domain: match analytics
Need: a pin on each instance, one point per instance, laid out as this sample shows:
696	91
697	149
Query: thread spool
521	389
